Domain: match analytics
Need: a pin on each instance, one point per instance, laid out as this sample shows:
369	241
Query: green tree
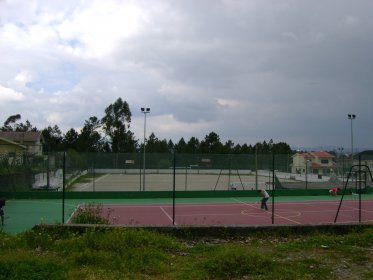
11	124
228	147
170	146
89	139
152	144
211	144
181	146
193	145
70	140
237	149
282	148
116	123
52	138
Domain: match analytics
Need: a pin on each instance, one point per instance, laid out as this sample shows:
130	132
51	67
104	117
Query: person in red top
333	191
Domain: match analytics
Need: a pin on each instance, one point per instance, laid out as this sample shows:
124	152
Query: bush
90	214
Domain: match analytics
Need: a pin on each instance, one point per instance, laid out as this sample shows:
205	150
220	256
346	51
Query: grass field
58	253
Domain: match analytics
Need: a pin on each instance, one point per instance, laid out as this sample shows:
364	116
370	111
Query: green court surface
23	214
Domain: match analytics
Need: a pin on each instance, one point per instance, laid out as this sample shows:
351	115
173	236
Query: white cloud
248	70
24	77
97	29
54	118
10	95
229	103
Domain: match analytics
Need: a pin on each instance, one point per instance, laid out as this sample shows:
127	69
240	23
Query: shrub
90	214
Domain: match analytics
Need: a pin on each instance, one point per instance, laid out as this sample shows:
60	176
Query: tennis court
238	212
23	214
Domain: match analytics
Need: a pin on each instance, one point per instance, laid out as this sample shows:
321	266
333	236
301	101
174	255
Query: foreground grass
46	253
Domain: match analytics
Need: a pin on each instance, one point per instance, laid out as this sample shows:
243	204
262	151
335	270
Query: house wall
33	148
31	140
6	148
299	164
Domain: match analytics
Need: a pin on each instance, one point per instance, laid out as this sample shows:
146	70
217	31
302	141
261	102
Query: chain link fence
97	172
101	176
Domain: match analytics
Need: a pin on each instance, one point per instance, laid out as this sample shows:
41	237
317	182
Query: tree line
112	133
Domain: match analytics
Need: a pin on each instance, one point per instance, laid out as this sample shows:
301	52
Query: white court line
86	185
164	211
73	213
243	202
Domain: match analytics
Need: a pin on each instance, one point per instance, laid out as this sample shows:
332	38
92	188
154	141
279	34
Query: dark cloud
249	70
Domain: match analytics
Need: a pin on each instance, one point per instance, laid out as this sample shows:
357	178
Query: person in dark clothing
2	205
265	197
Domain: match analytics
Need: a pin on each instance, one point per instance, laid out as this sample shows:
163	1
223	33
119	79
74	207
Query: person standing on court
265	197
2	204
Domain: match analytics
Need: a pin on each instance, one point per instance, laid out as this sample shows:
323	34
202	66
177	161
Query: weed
90	214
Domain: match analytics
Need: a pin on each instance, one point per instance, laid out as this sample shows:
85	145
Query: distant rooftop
19	136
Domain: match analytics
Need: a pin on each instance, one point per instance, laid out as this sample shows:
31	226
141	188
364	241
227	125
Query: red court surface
239	213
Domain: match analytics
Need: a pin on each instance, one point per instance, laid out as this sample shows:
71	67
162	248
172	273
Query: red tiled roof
315	165
317	154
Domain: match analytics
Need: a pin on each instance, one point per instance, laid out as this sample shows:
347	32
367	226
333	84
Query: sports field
23	214
184	181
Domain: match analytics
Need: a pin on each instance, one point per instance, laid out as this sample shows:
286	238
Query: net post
63	186
140	172
173	190
359	188
229	172
273	188
93	173
48	170
343	194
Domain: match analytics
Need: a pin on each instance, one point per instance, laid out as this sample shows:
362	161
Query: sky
248	70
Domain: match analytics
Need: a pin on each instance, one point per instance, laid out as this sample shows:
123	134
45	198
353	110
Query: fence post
63	186
359	188
273	188
173	190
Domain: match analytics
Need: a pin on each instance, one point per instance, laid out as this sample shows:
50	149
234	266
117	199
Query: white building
320	163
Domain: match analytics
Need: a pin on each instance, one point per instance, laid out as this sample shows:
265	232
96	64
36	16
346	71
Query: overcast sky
249	70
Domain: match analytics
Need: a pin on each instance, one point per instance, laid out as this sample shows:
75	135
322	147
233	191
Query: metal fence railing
210	172
99	176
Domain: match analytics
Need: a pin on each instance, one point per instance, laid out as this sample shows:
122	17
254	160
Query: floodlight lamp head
142	110
147	109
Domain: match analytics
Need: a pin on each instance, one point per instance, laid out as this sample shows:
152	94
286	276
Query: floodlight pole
144	111
340	149
352	117
307	161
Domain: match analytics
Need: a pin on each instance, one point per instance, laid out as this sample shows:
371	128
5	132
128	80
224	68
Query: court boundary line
168	216
162	206
86	185
73	213
279	216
